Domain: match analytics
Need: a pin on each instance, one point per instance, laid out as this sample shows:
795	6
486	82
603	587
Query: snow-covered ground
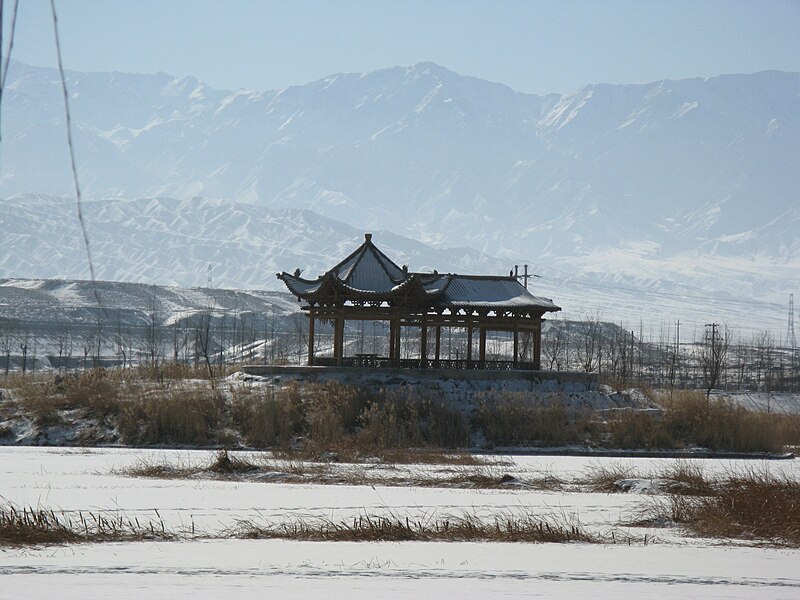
774	402
71	480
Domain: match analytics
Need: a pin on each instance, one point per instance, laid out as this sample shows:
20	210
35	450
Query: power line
72	155
4	64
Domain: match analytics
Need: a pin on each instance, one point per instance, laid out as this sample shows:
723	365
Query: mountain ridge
670	183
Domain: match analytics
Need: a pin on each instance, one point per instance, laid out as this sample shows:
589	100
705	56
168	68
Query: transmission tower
790	338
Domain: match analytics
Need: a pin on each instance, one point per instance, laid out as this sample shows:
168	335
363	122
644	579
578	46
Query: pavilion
368	286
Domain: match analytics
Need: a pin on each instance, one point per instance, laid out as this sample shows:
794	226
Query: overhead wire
4	64
73	164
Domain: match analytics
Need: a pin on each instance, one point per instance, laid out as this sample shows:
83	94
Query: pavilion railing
372	361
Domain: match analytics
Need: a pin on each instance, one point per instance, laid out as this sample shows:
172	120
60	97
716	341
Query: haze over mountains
670	187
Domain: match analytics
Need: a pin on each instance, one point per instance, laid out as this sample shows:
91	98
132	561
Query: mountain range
684	187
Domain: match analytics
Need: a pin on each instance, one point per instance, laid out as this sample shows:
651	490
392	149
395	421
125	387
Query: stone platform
354	375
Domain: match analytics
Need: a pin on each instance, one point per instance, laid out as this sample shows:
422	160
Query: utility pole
525	275
713	336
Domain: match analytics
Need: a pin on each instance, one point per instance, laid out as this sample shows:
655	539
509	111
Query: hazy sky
532	46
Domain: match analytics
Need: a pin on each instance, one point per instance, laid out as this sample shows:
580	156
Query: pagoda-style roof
368	275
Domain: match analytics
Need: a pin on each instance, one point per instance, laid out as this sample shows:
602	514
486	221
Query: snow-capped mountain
659	186
167	241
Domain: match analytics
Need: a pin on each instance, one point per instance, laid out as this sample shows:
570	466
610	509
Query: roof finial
368	237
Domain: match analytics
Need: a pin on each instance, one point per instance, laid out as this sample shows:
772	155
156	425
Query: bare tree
554	345
97	340
152	334
64	346
202	341
764	345
588	342
300	327
119	341
7	341
714	354
23	346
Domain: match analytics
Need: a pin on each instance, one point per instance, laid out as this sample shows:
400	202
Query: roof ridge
383	259
361	250
386	264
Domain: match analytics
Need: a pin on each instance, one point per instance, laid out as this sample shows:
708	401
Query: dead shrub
266	419
173	416
333	412
637	429
690	477
94	391
223	463
39	400
603	478
694	419
754	505
522	423
403	422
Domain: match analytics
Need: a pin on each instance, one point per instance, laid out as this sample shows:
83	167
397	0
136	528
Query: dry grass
513	421
681	477
603	478
686	478
39	527
380	528
173	416
693	419
362	454
223	466
753	505
175	407
28	526
690	419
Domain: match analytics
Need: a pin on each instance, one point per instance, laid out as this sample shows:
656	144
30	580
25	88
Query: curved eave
302	288
316	290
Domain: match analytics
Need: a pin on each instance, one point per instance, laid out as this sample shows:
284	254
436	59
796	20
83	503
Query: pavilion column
438	344
394	340
482	355
537	345
516	340
469	342
338	339
423	342
311	319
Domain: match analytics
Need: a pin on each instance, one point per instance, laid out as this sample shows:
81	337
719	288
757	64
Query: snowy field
671	565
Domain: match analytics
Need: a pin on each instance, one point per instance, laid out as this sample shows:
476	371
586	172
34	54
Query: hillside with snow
679	188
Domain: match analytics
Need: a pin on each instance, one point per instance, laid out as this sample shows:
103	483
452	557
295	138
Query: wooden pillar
398	340
423	342
394	342
335	337
391	340
438	344
516	340
482	355
339	339
311	320
537	345
469	343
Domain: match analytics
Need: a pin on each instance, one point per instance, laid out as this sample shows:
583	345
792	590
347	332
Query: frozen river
84	480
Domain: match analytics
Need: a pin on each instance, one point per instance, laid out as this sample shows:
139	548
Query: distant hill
666	187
